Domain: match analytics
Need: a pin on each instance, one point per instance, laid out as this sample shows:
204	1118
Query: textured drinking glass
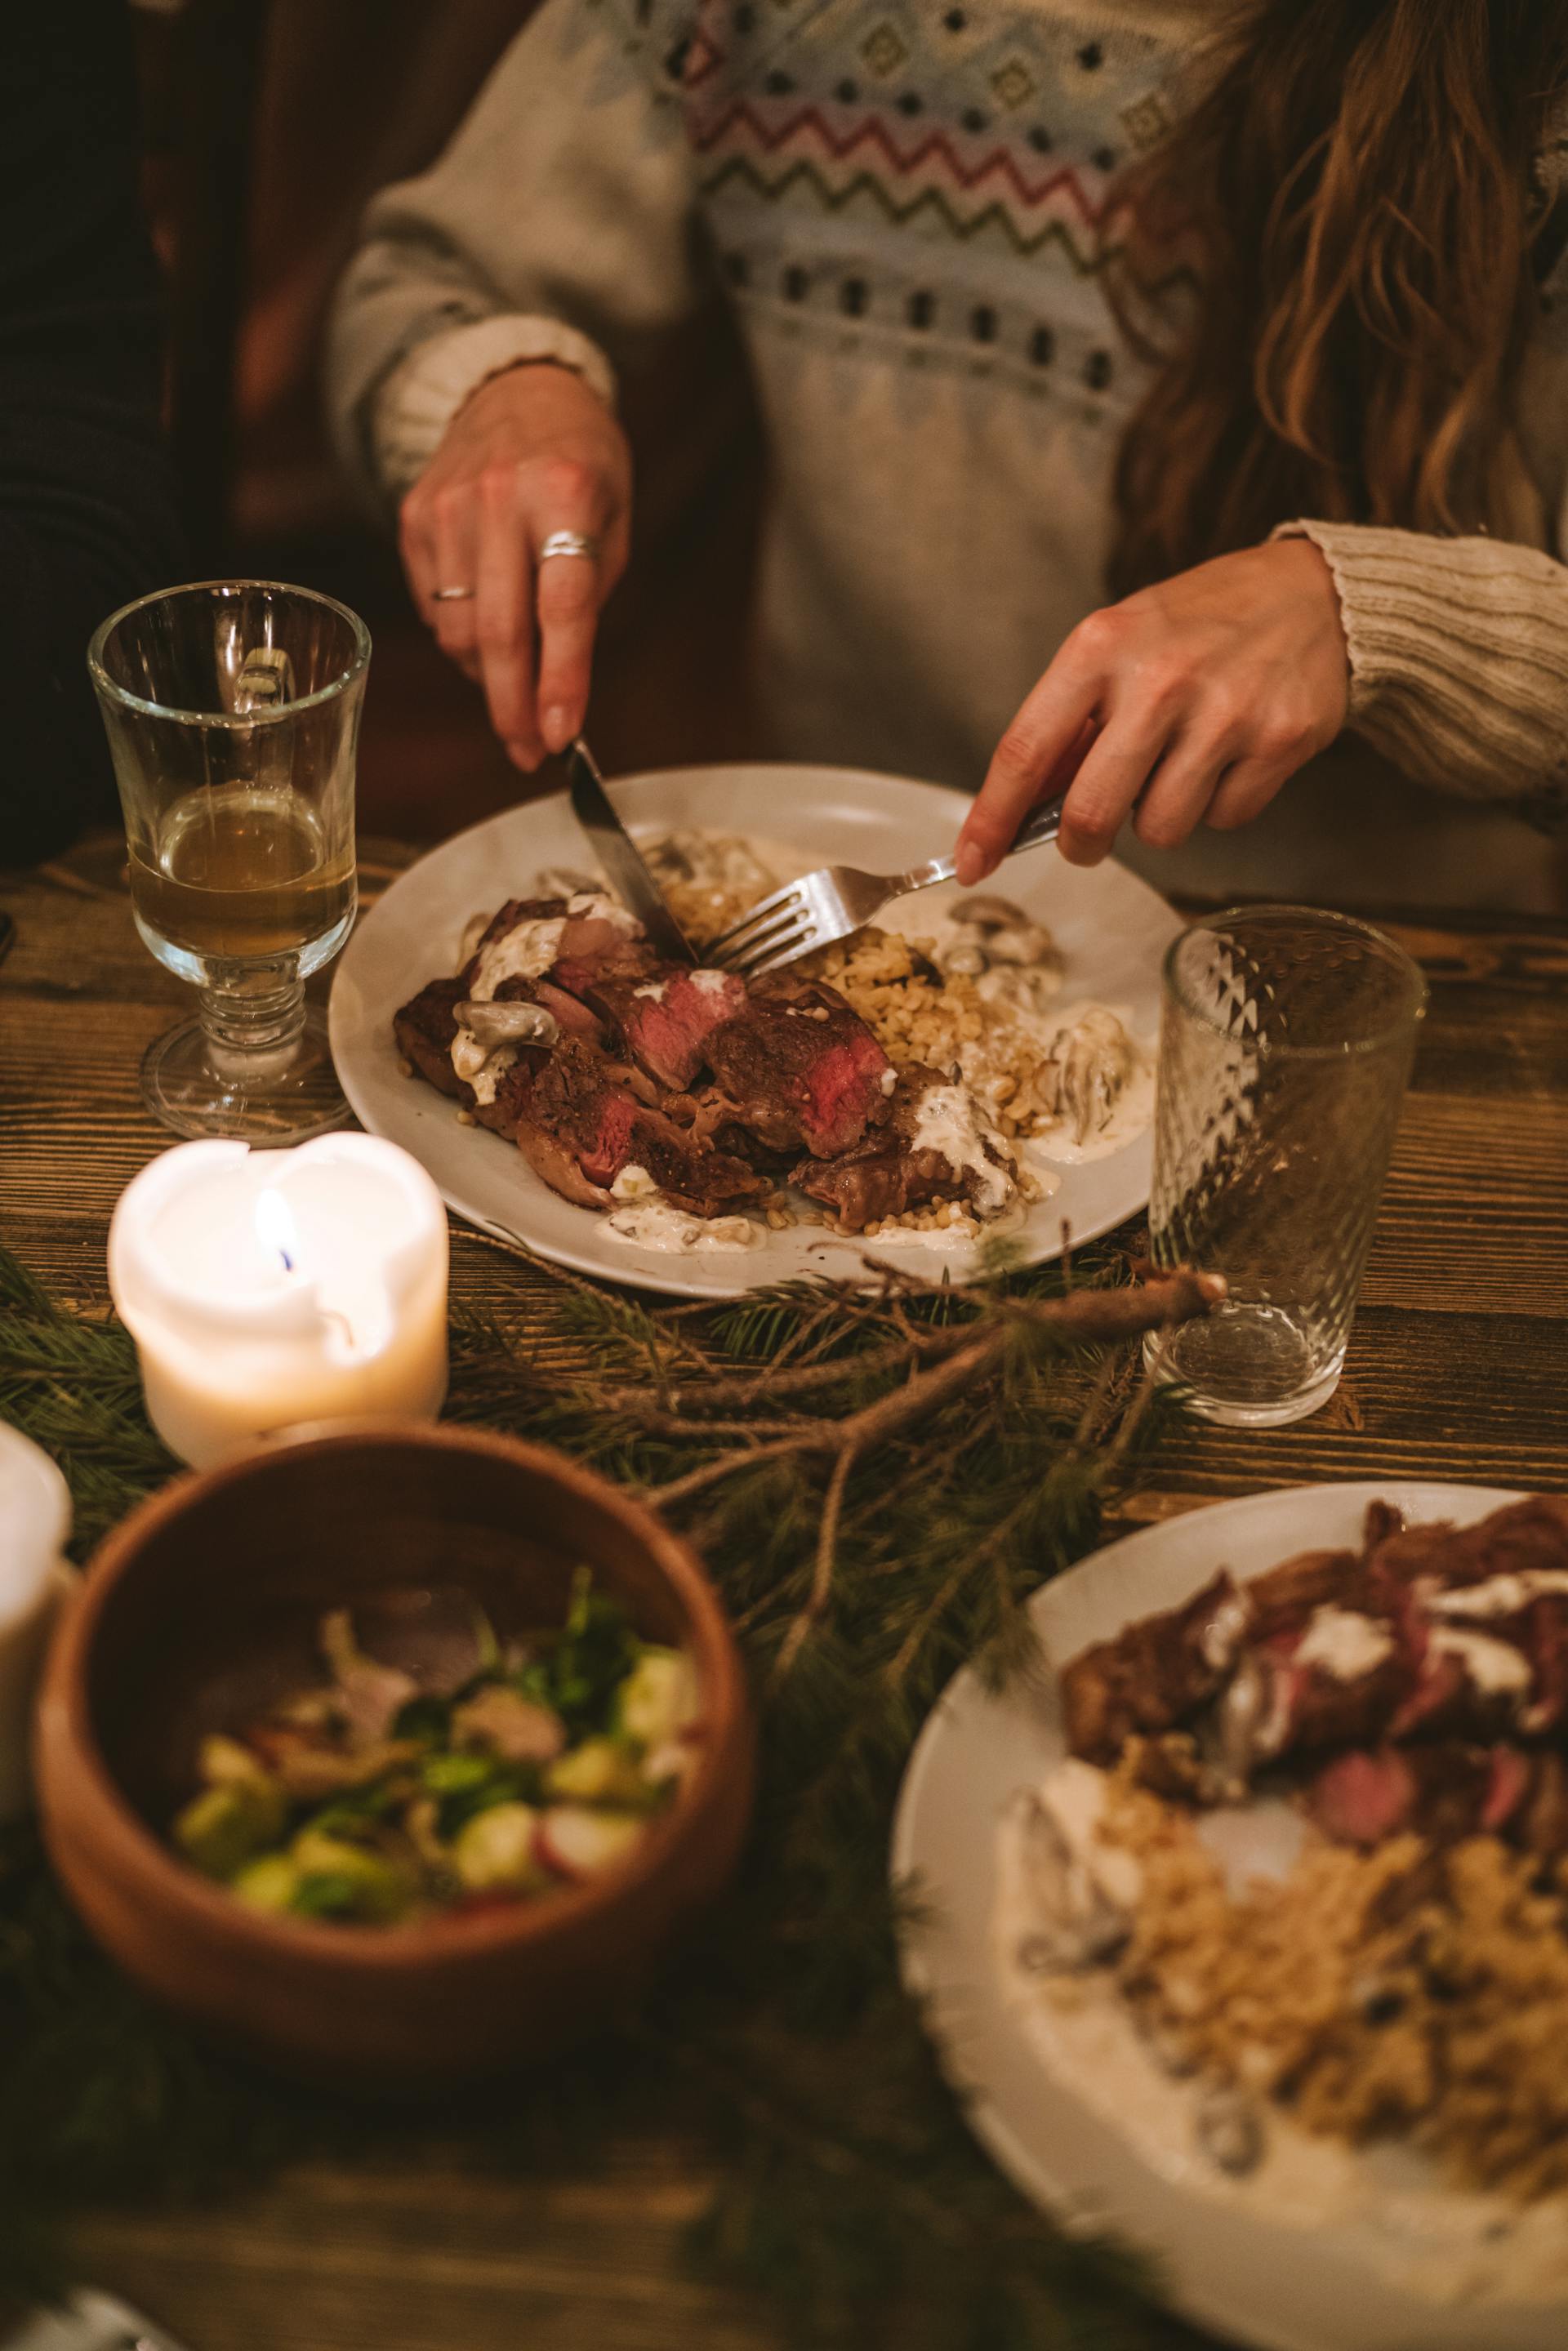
233	714
1286	1041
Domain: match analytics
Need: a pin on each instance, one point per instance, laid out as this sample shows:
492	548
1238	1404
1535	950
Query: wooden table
1458	1368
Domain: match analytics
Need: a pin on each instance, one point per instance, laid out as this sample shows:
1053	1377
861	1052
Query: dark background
268	125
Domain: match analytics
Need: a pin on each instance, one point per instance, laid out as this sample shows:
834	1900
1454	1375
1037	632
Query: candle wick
287	1260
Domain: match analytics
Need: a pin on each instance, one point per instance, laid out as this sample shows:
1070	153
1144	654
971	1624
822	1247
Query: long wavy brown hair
1357	199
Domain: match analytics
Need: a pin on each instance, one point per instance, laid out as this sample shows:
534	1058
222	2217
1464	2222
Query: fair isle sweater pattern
920	182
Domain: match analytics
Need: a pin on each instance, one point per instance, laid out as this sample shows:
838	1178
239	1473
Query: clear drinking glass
233	714
1286	1042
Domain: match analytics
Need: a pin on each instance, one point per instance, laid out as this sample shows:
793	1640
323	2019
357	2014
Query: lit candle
35	1520
270	1288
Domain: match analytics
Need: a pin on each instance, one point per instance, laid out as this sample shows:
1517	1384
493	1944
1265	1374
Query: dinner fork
836	899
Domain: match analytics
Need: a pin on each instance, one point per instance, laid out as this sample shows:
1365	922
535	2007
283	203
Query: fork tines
778	924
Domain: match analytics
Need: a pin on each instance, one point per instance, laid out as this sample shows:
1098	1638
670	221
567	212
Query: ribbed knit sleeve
1458	654
558	225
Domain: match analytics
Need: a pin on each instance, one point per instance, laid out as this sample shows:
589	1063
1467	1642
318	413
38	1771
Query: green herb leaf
325	1893
422	1718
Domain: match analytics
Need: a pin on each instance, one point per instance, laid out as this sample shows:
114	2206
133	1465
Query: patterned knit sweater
902	200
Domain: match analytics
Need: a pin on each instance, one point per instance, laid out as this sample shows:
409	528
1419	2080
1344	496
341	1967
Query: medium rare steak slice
424	1028
900	1165
583	1124
661	1015
801	1067
1155	1675
1444	1793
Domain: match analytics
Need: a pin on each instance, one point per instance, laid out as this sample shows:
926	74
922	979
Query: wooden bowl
202	1608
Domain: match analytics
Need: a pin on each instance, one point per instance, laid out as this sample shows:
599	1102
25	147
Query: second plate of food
1031	1006
1242	1929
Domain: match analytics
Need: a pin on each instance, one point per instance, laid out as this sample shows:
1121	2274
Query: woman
1045	303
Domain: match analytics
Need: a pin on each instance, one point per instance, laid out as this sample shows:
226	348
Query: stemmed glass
233	712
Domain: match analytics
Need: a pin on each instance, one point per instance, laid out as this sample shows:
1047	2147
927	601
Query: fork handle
1044	825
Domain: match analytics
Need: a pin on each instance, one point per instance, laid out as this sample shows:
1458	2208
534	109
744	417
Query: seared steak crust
424	1028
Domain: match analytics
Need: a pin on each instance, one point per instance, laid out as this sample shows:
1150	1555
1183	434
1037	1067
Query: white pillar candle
270	1288
34	1522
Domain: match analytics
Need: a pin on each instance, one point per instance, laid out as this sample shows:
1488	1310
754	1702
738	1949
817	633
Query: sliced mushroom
971	961
1087	1068
1230	2129
1170	2049
1020	942
987	913
493	1024
1077	1925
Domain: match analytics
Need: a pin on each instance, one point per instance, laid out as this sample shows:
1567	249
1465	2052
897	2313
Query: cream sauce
525	952
1343	1644
605	909
1496	1668
481	1066
952	1122
643	1216
1501	1595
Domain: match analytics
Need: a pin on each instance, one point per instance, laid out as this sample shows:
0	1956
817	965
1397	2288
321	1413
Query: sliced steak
583	1124
424	1028
801	1066
1466	1684
888	1171
1155	1675
663	1016
1364	1799
1444	1793
1339	1692
528	935
1282	1600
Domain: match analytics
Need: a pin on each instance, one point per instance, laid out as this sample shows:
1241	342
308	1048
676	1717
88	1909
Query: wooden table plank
1456	1369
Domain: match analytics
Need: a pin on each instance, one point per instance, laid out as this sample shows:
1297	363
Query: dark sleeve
88	513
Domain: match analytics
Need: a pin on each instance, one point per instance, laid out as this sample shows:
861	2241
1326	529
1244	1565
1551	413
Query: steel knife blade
618	854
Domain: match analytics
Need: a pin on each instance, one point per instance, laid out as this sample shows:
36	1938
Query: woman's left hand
1192	701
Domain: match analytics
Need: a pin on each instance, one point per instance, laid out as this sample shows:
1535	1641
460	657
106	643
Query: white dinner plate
1281	2284
1111	928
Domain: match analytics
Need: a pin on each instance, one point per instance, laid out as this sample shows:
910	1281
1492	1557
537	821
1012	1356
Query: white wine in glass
233	710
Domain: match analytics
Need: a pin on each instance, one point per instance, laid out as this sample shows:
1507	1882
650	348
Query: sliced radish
577	1843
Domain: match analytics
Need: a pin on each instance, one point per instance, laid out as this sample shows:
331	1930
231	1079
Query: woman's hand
534	451
1192	701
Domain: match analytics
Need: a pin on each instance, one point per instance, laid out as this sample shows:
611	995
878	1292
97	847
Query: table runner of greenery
878	1477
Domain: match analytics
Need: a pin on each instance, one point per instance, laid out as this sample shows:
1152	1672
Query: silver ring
569	542
451	595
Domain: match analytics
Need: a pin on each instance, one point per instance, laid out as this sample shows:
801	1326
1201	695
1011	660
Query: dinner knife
619	855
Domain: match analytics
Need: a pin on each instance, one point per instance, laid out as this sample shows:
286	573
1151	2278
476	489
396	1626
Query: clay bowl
202	1608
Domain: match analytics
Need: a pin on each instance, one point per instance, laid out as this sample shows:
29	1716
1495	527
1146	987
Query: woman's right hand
532	451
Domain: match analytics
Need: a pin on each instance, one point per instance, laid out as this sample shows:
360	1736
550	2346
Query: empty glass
233	714
1286	1042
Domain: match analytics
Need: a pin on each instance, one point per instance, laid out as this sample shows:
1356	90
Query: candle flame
275	1227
